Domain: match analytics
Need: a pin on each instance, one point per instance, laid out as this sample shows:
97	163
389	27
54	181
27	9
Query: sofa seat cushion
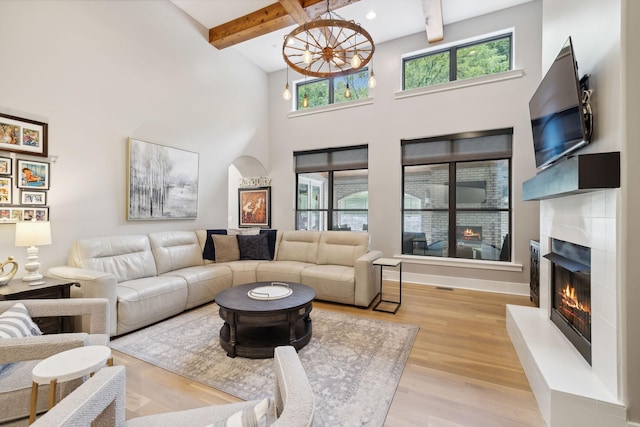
331	282
148	300
282	271
204	282
244	271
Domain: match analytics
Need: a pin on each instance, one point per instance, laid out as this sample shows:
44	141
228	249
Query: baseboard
460	283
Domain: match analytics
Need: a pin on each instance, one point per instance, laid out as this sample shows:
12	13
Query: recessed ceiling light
371	15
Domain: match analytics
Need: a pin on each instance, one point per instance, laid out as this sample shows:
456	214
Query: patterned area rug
354	364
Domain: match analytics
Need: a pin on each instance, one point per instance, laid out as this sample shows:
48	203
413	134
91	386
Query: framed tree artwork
162	182
254	207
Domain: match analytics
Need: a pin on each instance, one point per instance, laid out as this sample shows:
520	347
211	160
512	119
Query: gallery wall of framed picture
23	182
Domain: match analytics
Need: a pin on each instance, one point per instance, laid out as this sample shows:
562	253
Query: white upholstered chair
22	354
101	401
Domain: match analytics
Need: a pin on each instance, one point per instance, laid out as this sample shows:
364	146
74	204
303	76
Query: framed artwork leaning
254	207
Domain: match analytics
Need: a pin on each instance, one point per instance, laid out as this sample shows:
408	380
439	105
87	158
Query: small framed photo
32	175
17	214
23	136
6	190
33	198
254	205
5	166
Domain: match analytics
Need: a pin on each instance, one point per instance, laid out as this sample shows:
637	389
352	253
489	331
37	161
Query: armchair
22	354
101	401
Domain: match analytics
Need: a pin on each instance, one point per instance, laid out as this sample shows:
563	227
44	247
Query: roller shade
495	144
347	158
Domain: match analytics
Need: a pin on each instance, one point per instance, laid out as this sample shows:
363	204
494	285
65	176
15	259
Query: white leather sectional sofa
148	278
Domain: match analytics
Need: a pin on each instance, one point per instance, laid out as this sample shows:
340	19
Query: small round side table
65	366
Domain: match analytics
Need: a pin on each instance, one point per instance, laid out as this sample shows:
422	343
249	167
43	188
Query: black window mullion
331	91
452	210
453	64
330	207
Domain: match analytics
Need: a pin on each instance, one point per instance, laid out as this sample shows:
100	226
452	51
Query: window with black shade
333	90
332	190
464	61
457	196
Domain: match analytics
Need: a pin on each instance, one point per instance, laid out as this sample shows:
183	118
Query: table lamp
33	234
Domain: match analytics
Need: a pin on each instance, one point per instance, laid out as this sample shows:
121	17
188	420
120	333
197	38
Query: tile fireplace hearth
569	390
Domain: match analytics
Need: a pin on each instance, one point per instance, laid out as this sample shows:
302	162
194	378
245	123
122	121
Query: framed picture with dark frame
5	166
254	207
6	190
32	175
35	198
23	136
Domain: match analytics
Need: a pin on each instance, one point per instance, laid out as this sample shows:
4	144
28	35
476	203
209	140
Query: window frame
330	210
452	208
331	94
453	56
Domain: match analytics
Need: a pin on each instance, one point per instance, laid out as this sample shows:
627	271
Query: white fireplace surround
567	389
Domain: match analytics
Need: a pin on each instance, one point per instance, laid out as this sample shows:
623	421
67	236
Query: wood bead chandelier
328	46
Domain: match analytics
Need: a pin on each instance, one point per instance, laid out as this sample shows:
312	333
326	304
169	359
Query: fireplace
571	293
466	233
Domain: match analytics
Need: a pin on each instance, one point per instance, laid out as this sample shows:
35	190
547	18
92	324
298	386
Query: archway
244	166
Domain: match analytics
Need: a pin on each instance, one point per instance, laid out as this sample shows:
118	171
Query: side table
65	366
389	262
50	288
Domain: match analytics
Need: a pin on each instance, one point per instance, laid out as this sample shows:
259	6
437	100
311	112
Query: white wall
99	72
384	123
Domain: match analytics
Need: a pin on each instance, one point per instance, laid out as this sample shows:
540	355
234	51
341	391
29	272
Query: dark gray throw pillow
253	247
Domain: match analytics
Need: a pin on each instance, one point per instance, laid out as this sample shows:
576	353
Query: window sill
507	75
462	263
330	107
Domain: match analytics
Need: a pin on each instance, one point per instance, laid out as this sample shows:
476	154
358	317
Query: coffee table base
259	342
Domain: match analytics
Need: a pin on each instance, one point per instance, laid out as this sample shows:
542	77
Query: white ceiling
394	19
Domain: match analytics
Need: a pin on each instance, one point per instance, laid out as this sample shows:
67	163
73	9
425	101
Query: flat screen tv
560	111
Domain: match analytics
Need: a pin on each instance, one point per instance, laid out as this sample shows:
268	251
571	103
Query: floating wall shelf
576	174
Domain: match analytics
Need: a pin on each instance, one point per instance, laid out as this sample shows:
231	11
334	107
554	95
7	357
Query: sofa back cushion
174	250
298	246
126	257
342	247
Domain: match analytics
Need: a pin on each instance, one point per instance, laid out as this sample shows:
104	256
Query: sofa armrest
367	282
40	347
91	284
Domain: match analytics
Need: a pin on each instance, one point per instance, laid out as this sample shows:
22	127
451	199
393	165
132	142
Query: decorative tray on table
276	290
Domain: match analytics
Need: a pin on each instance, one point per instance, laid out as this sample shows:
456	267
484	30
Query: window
457	196
464	61
333	91
332	189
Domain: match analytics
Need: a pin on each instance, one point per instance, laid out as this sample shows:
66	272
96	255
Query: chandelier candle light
33	234
328	46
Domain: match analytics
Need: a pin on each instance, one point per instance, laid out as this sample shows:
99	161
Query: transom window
334	90
464	61
457	196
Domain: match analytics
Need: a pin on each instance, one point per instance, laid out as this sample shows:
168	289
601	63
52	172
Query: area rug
354	364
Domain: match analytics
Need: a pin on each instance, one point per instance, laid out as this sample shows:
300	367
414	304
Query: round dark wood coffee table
254	328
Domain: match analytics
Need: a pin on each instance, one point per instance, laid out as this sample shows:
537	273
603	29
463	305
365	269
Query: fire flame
469	234
570	299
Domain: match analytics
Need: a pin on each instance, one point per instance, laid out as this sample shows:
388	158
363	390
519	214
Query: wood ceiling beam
296	11
266	20
433	20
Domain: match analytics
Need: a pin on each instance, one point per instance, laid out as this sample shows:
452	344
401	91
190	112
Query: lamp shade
33	233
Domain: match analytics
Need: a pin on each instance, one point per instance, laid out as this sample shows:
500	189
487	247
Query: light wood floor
462	370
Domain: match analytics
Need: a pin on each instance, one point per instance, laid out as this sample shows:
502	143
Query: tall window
457	196
333	91
332	189
464	61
